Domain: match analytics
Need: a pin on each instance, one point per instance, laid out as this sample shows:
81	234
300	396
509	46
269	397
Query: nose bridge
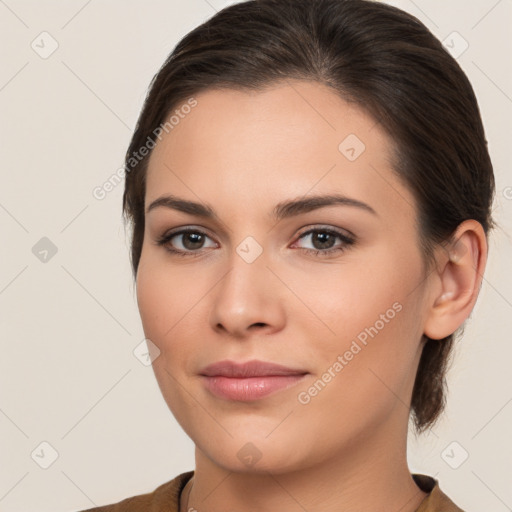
249	250
248	273
246	294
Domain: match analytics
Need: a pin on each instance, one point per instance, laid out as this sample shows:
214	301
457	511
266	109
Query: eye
324	240
191	241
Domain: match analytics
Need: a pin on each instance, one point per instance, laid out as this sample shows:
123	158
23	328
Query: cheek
358	385
149	301
367	314
171	309
160	293
162	310
340	301
158	303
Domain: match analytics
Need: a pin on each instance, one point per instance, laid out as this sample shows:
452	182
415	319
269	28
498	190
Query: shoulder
165	498
437	500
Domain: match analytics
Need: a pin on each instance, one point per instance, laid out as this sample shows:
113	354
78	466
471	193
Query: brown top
166	497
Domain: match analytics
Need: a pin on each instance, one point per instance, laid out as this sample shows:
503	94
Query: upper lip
254	368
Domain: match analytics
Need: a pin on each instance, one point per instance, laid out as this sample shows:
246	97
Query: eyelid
347	239
327	227
181	230
187	227
305	230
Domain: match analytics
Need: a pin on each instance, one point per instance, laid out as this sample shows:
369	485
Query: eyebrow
282	210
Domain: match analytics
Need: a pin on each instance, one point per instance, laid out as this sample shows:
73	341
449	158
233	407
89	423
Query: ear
459	276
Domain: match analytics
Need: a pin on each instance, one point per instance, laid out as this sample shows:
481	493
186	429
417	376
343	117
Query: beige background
69	326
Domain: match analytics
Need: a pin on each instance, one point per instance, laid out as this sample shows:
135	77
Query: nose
248	299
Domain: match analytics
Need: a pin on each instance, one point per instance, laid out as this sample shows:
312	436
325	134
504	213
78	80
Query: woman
310	190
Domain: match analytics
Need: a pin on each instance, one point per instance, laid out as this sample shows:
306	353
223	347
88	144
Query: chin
264	460
246	453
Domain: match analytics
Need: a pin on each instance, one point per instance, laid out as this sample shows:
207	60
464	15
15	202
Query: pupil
323	238
195	236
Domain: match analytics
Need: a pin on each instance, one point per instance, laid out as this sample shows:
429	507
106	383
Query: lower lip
249	388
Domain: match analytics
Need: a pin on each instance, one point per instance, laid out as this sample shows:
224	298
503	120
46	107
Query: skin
242	153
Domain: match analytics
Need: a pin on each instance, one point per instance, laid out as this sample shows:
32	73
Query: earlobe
460	271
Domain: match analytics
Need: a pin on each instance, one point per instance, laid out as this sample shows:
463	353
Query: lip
249	381
254	368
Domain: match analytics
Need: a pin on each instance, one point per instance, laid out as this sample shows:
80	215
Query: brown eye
324	240
184	242
191	240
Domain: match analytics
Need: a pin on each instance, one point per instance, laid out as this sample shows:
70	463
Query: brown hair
388	63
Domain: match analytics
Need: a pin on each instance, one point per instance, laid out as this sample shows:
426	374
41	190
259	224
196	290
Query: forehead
262	147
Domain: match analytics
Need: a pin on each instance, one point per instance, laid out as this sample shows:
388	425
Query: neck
368	474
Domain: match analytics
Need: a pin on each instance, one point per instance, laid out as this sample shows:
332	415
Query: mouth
249	381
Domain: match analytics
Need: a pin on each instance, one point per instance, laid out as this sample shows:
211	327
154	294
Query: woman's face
247	285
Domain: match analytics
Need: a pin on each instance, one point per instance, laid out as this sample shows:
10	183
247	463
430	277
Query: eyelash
347	241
